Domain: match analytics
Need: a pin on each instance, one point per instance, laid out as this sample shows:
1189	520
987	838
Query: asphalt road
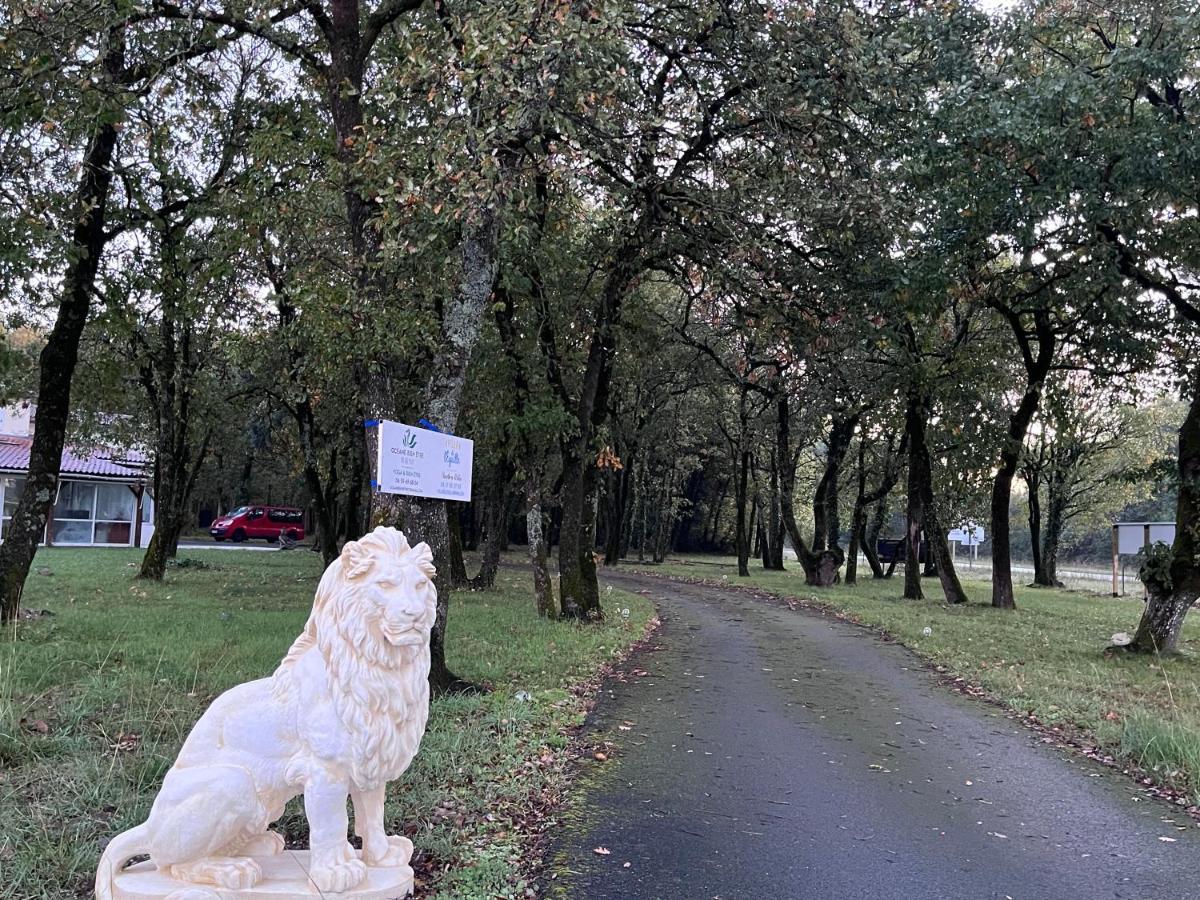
780	754
230	545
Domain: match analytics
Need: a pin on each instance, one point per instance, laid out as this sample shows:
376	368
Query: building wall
88	513
17	419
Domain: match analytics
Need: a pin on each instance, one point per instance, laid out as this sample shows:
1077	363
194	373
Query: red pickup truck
266	522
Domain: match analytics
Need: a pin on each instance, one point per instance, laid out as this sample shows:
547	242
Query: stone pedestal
284	878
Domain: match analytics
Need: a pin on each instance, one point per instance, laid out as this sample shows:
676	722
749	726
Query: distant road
1081	575
983	569
229	545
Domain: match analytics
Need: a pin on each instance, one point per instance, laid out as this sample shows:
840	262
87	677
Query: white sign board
1131	536
969	535
423	463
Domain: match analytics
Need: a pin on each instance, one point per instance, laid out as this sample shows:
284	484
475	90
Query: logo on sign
451	457
409	440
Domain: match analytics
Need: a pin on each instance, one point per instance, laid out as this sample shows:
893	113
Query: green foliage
1154	567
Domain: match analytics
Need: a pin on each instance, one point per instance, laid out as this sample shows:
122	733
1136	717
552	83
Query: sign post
970	535
422	463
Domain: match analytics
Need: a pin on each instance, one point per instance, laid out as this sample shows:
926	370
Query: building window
10	492
73	513
115	508
84	514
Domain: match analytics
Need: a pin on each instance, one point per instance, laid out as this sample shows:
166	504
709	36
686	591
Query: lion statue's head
371	620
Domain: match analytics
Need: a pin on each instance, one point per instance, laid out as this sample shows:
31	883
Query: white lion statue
341	717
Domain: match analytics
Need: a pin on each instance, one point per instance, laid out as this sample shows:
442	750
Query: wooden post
138	491
371	434
1116	563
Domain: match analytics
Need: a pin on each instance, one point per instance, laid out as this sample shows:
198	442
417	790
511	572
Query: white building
102	498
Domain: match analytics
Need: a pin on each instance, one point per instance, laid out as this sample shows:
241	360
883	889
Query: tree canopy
722	274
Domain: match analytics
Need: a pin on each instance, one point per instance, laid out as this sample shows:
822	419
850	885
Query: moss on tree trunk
1172	578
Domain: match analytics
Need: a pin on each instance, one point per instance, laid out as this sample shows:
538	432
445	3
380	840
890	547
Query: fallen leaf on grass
1167	840
602	851
127	742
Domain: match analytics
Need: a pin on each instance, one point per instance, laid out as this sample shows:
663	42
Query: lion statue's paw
396	852
339	876
232	873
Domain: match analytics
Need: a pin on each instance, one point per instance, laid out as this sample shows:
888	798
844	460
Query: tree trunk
939	546
741	499
1037	366
935	536
543	591
1171	597
662	533
326	537
427	520
168	520
58	358
921	480
1033	483
166	535
858	519
243	493
915	516
579	592
1056	501
642	515
494	525
773	529
579	595
353	522
458	566
827	527
710	539
820	569
871	534
871	554
615	513
462	321
1010	457
852	551
462	317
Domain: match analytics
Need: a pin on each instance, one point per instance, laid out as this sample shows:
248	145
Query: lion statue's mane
364	670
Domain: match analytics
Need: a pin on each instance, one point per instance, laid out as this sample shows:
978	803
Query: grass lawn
96	699
1047	659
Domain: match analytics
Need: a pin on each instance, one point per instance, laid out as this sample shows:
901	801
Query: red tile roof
127	464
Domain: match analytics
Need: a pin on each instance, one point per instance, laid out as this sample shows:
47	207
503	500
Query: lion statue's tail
119	851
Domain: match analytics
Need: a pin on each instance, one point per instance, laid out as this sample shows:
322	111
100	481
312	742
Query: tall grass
96	698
